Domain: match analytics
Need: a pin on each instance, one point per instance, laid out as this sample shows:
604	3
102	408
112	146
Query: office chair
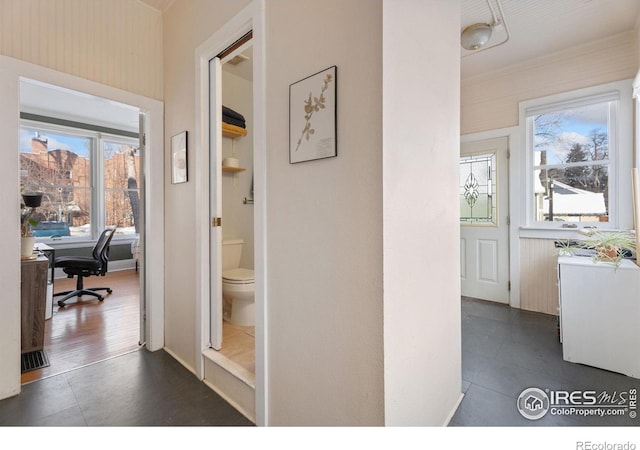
85	266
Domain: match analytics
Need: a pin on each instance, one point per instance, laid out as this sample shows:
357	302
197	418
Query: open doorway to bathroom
238	334
228	339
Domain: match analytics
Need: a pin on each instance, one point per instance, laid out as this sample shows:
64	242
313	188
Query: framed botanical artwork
312	117
179	158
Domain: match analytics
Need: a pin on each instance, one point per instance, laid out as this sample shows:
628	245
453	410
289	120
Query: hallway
137	389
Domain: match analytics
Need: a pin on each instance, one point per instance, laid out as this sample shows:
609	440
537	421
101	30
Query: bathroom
238	342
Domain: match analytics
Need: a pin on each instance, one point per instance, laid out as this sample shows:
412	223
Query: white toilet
238	285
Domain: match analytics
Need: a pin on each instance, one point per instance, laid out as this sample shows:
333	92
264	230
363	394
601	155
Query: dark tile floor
137	389
506	350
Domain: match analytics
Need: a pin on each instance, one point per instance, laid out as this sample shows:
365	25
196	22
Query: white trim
620	143
12	70
250	18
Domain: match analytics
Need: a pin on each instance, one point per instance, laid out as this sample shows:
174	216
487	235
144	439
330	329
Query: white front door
484	231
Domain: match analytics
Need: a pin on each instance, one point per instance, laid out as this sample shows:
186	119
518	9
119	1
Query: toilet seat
238	276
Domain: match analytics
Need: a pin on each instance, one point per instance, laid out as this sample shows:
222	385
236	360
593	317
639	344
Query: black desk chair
85	266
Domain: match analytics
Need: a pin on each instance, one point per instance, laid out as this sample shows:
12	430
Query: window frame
620	136
97	185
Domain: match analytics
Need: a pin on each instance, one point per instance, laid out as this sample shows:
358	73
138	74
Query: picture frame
313	117
179	158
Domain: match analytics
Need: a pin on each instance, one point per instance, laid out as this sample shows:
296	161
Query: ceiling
538	27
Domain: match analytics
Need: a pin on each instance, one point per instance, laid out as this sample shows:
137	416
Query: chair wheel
60	303
109	291
101	298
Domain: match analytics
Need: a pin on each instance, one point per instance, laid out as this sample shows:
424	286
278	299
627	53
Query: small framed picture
179	158
312	117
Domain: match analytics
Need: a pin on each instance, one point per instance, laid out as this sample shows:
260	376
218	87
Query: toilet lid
238	275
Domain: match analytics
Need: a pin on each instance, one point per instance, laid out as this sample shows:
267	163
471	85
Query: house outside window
90	181
577	163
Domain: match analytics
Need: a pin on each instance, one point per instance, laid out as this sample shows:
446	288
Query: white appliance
600	313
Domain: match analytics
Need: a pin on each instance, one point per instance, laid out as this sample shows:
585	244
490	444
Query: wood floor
87	331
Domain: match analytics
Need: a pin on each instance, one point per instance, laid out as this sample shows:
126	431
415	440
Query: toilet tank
231	253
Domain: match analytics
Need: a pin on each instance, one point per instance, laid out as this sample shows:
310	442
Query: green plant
27	221
609	246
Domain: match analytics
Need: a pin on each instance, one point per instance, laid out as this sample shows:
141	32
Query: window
89	180
477	188
575	159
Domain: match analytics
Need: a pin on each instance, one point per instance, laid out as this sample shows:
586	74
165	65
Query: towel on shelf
232	117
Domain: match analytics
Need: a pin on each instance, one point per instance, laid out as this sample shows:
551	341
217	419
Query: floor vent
34	360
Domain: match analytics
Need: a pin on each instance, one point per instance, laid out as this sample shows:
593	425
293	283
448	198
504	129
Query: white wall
324	221
117	43
422	343
236	215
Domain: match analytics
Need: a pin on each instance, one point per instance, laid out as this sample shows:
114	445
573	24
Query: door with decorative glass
484	231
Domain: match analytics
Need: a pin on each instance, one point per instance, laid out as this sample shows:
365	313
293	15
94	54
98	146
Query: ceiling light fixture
476	36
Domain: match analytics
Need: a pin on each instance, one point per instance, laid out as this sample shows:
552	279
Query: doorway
151	256
84	153
484	228
254	402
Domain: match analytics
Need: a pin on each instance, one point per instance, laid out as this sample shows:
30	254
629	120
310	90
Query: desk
33	293
599	313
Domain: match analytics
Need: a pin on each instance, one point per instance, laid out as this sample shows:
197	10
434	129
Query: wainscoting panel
117	42
538	276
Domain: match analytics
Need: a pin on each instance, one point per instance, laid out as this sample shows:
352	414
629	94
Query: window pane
573	194
58	165
119	212
572	135
568	187
478	188
121	179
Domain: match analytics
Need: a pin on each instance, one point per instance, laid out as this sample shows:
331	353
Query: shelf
233	169
233	131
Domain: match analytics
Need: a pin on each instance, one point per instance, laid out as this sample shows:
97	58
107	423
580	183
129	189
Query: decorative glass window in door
478	189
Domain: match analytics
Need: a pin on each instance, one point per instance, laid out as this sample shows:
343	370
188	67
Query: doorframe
513	137
251	18
11	71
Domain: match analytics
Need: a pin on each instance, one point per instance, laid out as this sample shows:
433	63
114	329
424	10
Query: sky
575	127
80	146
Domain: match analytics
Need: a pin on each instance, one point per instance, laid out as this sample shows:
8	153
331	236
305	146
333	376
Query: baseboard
180	360
229	400
453	411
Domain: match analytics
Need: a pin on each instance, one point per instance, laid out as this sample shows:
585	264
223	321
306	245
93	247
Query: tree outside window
73	168
571	164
